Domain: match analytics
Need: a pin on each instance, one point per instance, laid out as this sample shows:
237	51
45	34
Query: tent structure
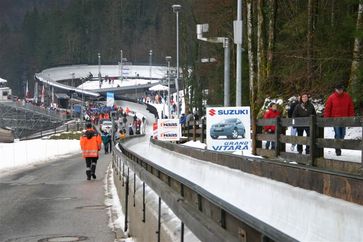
158	87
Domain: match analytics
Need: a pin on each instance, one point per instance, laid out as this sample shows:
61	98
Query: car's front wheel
214	137
234	134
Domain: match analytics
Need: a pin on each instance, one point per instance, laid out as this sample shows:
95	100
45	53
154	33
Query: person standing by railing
304	109
294	103
339	104
272	112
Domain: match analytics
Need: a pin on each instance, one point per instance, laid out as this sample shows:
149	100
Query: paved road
55	200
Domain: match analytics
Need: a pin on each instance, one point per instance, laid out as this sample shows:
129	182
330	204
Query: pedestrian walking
339	104
106	140
304	109
131	130
90	142
272	112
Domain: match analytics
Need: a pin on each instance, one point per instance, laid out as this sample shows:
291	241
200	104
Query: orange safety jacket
90	143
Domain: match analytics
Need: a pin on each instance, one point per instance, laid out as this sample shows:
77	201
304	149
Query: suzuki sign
228	129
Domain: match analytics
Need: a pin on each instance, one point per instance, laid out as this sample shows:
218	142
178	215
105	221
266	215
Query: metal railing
208	217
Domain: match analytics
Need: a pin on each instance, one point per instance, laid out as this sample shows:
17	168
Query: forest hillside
289	46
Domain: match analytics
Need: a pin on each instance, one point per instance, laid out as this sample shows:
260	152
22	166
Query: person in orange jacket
90	144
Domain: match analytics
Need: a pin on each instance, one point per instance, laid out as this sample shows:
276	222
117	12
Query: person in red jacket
339	104
90	142
272	112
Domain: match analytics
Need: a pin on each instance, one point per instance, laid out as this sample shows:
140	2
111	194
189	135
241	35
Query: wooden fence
196	130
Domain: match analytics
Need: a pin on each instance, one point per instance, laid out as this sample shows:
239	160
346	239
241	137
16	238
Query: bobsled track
191	194
224	197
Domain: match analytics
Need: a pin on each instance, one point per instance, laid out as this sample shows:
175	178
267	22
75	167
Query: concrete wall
147	232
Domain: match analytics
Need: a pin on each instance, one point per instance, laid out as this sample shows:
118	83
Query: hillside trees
356	73
290	45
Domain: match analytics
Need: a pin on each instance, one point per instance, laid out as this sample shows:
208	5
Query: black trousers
91	163
300	132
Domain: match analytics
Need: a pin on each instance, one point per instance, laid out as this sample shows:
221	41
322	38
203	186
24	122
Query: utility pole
176	9
150	62
237	26
121	65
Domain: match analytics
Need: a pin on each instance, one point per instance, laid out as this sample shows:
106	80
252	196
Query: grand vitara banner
228	129
169	129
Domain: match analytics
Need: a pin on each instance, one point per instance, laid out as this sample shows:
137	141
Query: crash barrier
196	130
67	127
207	216
36	109
152	110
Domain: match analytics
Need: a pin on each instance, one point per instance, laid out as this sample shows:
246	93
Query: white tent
3	80
158	87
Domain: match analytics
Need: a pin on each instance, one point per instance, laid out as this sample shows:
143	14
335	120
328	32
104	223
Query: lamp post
168	59
99	66
150	61
121	66
238	34
176	9
202	28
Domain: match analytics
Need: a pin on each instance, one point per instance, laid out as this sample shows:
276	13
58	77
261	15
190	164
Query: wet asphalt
55	202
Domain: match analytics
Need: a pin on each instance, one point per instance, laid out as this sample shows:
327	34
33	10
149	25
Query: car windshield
229	121
107	123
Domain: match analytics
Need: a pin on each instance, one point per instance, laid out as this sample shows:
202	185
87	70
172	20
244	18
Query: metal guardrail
35	109
209	217
75	126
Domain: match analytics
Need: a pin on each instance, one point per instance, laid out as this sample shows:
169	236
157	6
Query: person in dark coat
106	140
339	104
304	109
292	106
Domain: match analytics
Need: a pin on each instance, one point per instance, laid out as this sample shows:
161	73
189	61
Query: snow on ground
22	154
90	85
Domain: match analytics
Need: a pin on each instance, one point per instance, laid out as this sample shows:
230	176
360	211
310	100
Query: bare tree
251	67
355	77
309	47
271	37
261	58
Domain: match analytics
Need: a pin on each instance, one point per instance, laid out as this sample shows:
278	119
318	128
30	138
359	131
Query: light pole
168	59
237	26
99	66
176	9
150	61
121	66
202	28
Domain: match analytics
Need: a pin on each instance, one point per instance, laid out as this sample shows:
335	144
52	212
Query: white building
4	90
